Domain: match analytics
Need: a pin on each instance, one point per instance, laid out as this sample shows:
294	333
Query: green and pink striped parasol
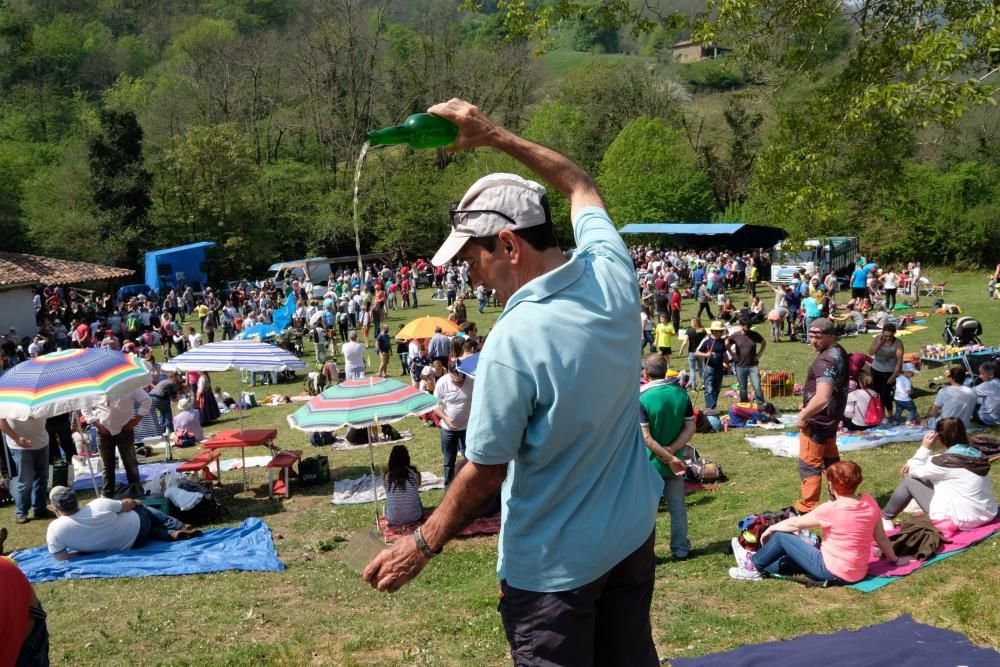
361	403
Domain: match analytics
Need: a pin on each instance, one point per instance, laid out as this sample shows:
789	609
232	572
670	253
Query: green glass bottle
421	130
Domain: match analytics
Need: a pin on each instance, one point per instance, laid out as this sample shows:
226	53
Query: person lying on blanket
955	485
107	525
850	523
742	414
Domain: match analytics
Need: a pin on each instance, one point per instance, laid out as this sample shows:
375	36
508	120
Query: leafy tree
589	35
649	174
209	192
58	211
121	185
729	171
946	217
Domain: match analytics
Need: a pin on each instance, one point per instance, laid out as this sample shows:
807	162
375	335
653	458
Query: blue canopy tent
700	236
178	267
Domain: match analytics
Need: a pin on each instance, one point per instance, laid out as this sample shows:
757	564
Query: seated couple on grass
107	525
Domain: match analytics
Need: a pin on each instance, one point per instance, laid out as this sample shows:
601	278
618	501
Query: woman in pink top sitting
850	523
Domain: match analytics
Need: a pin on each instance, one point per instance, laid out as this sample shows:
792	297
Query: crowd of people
553	435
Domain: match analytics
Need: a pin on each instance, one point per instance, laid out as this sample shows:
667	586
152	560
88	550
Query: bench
200	466
284	459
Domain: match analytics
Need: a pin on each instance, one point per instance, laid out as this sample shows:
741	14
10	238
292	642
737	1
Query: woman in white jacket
954	485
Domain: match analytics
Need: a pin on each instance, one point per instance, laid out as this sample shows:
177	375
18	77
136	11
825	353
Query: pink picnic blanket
956	540
484	525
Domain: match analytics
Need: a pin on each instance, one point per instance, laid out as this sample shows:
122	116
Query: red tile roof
18	269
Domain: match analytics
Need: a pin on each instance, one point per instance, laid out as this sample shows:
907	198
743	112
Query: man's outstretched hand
474	128
393	568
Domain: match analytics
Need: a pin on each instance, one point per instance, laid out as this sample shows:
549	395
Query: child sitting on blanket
850	523
402	489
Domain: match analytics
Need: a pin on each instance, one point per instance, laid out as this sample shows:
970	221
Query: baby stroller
961	331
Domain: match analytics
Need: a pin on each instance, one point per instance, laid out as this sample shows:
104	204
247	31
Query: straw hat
184	404
717	325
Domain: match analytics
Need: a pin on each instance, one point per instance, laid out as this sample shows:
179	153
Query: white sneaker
742	554
888	525
743	574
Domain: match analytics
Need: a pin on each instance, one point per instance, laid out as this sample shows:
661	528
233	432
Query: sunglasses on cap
454	212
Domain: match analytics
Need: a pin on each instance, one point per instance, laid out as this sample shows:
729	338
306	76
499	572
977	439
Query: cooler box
314	470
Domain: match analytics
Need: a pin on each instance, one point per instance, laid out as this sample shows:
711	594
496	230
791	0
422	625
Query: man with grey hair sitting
107	525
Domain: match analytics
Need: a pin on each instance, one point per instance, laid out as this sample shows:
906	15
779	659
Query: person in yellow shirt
664	336
201	310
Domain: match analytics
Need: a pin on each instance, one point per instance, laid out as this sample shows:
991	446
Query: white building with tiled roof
20	274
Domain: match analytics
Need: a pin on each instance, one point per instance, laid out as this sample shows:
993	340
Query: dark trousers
605	622
35	649
880	383
164	414
126	449
60	438
452	443
704	307
152	526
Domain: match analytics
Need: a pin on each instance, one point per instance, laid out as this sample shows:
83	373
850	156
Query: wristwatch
422	545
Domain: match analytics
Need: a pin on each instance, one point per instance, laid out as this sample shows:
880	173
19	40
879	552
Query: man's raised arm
476	130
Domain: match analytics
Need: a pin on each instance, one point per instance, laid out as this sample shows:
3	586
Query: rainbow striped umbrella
57	383
361	403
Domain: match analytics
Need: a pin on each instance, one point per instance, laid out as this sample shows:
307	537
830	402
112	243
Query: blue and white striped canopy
227	355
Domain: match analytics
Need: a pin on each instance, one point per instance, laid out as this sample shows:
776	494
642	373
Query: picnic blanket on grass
247	547
484	525
882	572
900	643
147	471
359	490
787	444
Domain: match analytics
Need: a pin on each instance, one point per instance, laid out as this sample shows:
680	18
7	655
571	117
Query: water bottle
421	130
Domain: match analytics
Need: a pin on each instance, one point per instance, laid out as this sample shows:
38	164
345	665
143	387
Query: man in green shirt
667	420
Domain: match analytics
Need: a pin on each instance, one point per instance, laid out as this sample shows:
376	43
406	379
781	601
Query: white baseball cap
909	368
493	203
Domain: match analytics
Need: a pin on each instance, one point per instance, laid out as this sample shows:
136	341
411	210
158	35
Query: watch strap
422	545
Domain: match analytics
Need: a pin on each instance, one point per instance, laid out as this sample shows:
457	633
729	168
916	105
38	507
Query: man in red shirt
83	337
675	308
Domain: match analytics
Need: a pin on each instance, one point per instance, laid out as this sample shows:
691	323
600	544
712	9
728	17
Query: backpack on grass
207	510
701	471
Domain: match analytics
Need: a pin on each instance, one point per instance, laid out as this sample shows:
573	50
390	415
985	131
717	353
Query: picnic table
965	358
233	438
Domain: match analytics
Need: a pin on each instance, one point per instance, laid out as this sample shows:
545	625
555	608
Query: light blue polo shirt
557	399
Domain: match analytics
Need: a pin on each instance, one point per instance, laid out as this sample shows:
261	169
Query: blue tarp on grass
247	547
899	643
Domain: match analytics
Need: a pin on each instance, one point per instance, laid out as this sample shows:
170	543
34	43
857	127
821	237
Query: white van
318	270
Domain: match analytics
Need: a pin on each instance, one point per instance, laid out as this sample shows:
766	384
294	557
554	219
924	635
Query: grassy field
319	611
560	62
